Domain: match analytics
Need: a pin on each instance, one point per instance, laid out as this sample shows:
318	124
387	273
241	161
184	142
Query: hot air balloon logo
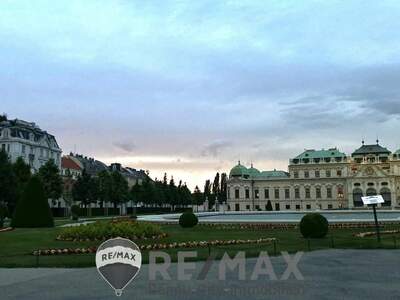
118	261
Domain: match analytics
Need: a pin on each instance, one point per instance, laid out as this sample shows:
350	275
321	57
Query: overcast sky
191	87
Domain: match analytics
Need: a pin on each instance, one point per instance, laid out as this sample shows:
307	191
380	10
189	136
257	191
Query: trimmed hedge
106	230
188	220
33	208
314	225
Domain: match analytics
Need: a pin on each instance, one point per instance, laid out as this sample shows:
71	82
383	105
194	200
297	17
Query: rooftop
371	149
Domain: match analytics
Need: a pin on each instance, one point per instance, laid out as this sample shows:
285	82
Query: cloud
125	146
215	148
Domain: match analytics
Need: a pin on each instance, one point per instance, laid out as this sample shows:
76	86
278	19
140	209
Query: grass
16	246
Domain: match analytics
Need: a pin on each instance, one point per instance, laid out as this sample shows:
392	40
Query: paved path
332	274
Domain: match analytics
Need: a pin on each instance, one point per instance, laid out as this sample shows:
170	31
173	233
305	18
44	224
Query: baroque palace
319	179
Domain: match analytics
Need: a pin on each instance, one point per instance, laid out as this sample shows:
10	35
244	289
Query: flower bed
160	246
101	231
372	233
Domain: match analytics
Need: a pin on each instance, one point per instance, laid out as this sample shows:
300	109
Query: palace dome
238	171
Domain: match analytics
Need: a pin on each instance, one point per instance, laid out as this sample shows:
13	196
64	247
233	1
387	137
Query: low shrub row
372	233
159	246
100	231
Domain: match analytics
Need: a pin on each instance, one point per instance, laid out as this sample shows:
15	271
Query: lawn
16	246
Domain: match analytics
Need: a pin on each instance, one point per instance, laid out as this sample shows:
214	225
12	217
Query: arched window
371	192
357	201
387	196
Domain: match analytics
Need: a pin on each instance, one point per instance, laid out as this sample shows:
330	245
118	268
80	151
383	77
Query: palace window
266	193
317	174
287	193
23	149
306	174
328	173
247	194
329	192
237	193
276	192
297	206
296	174
248	207
287	206
339	173
340	193
308	193
297	193
256	194
308	206
330	206
318	192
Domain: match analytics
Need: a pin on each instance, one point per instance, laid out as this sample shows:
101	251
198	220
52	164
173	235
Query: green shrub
33	208
314	225
106	230
188	220
75	210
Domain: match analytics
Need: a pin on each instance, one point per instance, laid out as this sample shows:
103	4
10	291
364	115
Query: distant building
90	165
319	179
71	167
133	176
24	139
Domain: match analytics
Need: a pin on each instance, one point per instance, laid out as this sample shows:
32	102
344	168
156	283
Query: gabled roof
371	149
311	154
68	163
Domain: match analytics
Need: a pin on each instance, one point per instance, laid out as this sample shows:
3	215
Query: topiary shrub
33	208
314	225
188	220
75	210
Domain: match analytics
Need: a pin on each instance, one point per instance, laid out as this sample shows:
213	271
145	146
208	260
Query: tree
52	181
207	191
119	189
104	183
3	117
197	196
33	208
22	173
223	190
8	187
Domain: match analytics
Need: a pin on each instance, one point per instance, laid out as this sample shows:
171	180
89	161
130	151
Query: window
330	206
257	207
317	174
247	194
256	194
329	192
318	192
306	174
308	206
276	193
308	193
297	206
297	193
357	184
277	207
287	193
8	147
340	193
328	173
370	184
339	173
287	206
248	207
23	149
384	183
3	147
266	193
296	174
237	193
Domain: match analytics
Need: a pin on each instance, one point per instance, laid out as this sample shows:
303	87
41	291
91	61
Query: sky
191	87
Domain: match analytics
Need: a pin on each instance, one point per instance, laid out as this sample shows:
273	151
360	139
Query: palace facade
319	179
26	140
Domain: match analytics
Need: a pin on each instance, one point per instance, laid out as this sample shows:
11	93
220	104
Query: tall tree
52	181
3	117
22	173
207	191
8	188
120	189
197	195
223	191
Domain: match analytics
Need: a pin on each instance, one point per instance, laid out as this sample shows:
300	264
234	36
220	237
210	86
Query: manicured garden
17	246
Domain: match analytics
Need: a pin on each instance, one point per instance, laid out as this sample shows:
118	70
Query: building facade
24	139
319	179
